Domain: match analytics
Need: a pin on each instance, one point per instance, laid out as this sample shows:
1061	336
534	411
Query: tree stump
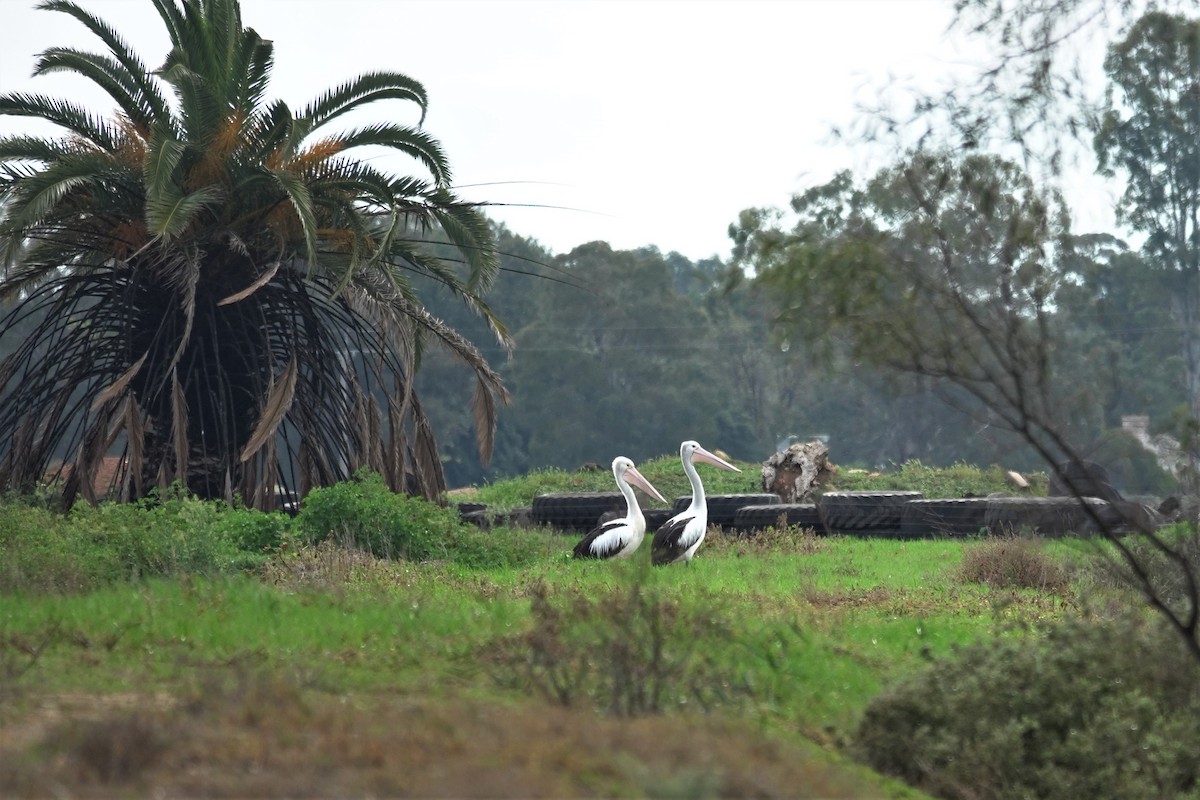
795	473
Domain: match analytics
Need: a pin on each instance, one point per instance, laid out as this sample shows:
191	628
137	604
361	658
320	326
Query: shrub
363	513
1097	710
38	552
1168	577
628	652
1012	563
171	533
366	514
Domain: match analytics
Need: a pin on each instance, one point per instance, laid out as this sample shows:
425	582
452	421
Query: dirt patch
263	739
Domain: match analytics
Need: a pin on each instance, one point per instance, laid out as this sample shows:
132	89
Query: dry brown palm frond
427	465
483	409
278	402
212	168
179	427
135	426
120	383
261	281
393	456
373	446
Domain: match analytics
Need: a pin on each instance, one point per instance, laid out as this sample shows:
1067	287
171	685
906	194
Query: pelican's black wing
667	544
590	547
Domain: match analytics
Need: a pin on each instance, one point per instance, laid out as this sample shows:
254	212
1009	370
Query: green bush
167	534
366	514
1091	709
39	552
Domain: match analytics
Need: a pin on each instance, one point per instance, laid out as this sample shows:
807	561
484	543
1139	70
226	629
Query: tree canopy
222	286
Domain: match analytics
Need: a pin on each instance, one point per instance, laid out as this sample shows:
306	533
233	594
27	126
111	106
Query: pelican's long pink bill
708	458
637	479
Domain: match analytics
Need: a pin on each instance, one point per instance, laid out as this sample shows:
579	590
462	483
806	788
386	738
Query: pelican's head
691	451
624	470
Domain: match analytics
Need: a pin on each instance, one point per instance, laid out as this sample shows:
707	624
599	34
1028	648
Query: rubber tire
723	508
480	518
865	513
1047	516
934	518
577	512
655	517
760	517
467	508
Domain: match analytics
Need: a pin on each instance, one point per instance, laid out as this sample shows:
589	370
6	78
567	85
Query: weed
1013	563
115	749
1171	578
958	480
19	653
629	652
780	538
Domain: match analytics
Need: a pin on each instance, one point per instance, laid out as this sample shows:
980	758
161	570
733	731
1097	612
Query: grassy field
323	671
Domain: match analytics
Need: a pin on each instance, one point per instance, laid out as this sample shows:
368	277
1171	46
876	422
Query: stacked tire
574	513
962	516
723	508
655	517
866	513
1048	516
751	519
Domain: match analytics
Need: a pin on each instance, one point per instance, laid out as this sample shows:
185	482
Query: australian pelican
618	538
681	535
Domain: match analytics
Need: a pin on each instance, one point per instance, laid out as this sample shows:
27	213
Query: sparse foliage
1013	562
629	653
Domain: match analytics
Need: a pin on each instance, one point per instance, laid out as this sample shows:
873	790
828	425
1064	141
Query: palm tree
221	292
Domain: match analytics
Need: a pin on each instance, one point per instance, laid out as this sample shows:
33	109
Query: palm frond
367	88
110	76
259	282
34	198
411	141
170	214
469	231
302	204
62	113
119	385
278	401
150	96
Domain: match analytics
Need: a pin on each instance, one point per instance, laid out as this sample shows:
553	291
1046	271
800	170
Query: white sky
650	122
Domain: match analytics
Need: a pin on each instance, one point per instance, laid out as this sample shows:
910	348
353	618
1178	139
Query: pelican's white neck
697	486
631	504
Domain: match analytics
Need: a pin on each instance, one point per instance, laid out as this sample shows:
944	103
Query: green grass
787	639
847	618
667	475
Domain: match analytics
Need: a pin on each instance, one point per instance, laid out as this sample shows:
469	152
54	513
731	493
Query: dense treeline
632	351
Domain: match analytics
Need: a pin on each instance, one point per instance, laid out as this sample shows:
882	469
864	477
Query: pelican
618	538
681	535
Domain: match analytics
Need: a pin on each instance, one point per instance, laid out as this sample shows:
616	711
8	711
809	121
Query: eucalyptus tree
224	287
950	268
1150	134
614	362
937	267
